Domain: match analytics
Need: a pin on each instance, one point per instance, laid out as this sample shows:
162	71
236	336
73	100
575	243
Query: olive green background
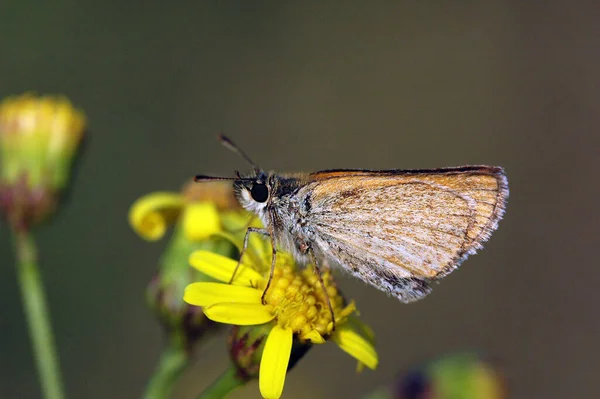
309	86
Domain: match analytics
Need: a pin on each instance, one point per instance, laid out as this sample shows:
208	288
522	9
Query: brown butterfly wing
398	230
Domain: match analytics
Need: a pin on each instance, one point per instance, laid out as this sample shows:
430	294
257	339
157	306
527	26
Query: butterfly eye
259	192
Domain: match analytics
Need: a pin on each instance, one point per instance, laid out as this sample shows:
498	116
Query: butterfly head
253	192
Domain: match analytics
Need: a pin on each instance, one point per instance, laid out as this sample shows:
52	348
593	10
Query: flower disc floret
298	301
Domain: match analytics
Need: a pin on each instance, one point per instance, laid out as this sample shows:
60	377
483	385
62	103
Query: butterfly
397	230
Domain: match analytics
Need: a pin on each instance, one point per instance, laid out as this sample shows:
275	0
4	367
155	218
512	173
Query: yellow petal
360	367
207	294
231	238
314	337
221	268
274	362
256	251
362	328
356	346
150	215
200	221
343	314
241	314
237	221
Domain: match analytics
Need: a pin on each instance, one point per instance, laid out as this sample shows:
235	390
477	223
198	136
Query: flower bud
246	345
197	216
165	292
39	138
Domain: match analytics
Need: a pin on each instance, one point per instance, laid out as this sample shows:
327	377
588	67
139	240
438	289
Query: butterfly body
286	213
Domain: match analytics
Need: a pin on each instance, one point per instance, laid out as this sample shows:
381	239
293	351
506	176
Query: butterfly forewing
405	224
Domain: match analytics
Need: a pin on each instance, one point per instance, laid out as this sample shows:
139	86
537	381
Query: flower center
299	302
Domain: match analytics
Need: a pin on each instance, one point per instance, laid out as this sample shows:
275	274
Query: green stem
38	319
172	362
224	385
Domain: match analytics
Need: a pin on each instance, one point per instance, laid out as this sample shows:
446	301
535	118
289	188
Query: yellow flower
295	309
203	210
198	215
39	137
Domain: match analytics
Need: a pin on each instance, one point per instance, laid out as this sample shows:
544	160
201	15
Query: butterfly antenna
231	146
201	178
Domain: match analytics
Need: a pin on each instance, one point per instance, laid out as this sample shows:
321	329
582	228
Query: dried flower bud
246	345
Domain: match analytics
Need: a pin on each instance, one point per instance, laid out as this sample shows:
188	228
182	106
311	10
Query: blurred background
310	86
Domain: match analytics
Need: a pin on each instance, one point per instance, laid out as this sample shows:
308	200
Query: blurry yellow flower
295	308
42	132
203	210
39	137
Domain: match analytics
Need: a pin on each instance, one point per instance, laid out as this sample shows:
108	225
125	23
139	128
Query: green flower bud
198	216
165	292
39	138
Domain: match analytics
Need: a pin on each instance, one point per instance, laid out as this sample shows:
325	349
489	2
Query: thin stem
38	319
224	385
172	362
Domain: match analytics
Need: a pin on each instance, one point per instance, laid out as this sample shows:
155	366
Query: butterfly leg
273	260
249	230
320	275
